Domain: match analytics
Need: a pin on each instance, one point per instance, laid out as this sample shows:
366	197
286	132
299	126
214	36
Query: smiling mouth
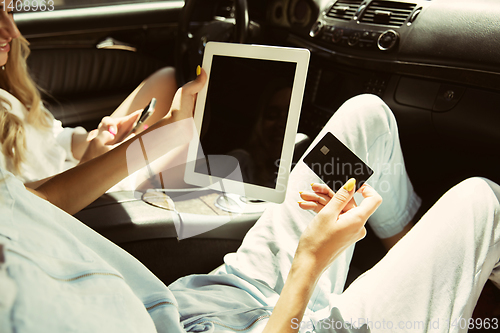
3	44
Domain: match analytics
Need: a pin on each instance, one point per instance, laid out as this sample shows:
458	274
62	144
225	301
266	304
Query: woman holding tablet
33	144
288	274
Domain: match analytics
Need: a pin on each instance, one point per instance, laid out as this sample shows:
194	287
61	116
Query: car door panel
88	84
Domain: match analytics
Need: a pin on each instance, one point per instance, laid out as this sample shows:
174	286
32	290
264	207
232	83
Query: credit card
335	164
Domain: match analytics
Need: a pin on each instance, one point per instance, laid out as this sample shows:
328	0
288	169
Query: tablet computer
246	117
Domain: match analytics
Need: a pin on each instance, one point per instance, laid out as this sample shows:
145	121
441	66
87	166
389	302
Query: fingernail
349	186
198	70
300	192
312	184
300	202
145	127
111	130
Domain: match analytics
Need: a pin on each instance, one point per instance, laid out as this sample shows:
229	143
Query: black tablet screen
245	116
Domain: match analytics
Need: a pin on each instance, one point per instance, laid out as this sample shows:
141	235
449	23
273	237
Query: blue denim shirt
63	277
58	275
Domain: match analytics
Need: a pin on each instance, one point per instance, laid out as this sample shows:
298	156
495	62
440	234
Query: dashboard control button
353	39
337	35
387	40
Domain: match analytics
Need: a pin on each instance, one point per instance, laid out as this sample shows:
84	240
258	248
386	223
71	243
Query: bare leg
161	85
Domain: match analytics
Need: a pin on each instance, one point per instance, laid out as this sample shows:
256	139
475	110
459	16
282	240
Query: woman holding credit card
290	271
292	266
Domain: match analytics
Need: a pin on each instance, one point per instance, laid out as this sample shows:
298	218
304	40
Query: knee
475	202
365	99
478	192
474	184
366	116
370	110
164	77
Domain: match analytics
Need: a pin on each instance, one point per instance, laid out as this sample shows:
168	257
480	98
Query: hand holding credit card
335	164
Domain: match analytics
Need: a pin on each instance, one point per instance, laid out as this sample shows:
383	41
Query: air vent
388	13
344	9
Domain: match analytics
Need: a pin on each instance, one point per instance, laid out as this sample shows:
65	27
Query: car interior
435	63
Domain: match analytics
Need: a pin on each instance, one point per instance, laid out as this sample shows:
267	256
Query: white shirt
48	149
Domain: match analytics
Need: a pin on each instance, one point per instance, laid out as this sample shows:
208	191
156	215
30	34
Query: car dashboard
435	63
435	39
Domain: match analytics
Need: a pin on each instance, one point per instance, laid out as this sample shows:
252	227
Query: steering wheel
190	45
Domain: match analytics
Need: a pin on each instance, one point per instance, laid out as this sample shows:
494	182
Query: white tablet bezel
298	56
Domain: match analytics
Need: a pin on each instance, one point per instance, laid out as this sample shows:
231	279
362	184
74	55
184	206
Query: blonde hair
16	80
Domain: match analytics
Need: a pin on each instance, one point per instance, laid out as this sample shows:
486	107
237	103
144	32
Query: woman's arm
75	188
34	185
79	142
336	227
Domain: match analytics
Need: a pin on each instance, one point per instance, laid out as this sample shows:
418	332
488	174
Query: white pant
434	273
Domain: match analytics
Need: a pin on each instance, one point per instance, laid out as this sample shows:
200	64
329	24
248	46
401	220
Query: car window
50	5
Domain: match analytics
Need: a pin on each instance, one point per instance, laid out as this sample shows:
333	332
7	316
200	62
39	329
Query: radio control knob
387	40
